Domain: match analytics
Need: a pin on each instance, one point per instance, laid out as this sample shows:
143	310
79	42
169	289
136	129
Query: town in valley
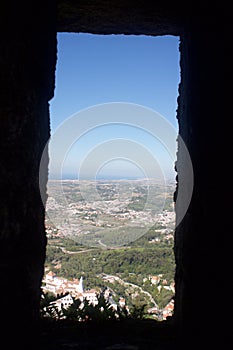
114	238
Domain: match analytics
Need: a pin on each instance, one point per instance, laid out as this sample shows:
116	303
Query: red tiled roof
51	273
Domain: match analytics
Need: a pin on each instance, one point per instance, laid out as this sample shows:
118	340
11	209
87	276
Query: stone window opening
172	165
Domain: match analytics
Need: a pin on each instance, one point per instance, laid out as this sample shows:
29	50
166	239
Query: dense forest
140	258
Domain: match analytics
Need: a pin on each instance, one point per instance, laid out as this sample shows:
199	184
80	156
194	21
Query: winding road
121	281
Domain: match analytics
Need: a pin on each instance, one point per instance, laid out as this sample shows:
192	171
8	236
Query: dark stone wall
27	65
120	17
202	240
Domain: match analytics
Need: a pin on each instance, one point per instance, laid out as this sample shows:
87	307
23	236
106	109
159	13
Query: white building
91	296
63	302
58	285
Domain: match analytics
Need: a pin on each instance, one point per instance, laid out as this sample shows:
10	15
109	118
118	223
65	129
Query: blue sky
95	69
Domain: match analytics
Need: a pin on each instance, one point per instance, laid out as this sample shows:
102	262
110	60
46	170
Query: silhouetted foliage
86	311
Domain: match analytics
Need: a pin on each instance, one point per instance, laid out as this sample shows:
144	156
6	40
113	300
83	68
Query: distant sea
104	178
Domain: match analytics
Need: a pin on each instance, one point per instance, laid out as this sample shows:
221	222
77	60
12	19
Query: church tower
80	285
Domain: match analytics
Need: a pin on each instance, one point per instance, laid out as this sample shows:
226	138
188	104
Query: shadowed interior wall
202	249
27	63
27	68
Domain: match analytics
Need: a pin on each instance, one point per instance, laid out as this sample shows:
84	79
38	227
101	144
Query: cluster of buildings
70	289
74	289
81	217
163	314
160	282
